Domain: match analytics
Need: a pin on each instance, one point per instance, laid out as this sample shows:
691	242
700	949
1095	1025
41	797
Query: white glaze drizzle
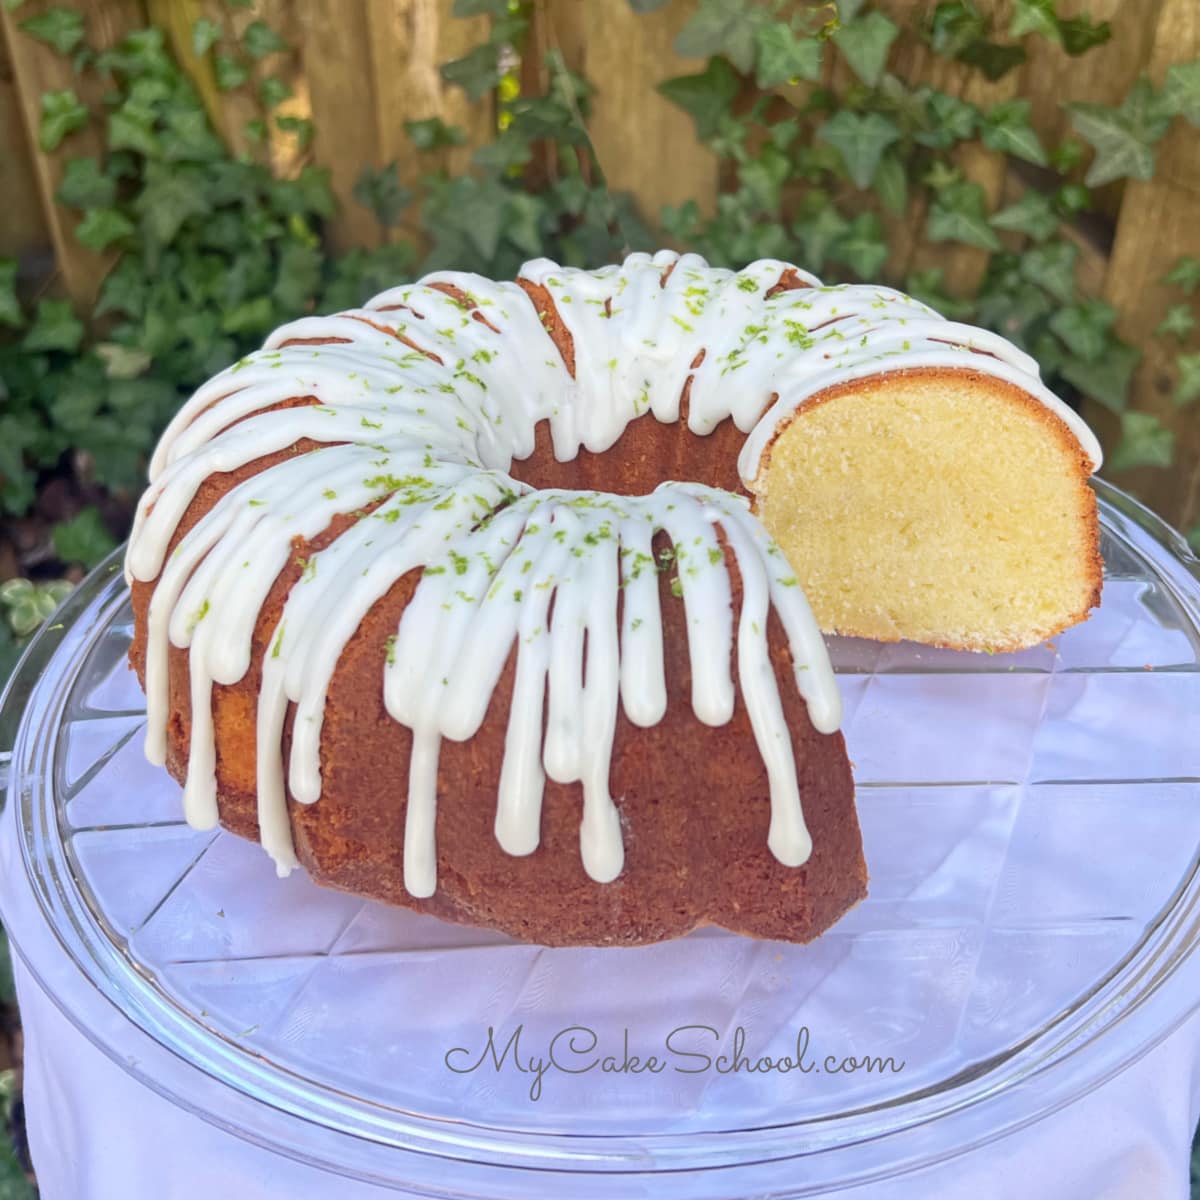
417	420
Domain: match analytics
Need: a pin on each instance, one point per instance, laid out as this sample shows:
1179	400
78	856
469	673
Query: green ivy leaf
1122	137
433	134
1178	323
1052	267
891	183
480	8
83	539
251	316
382	193
124	291
22	612
1185	274
1120	151
950	120
309	193
865	43
1144	443
959	30
298	278
273	92
763	177
861	139
955	27
1034	16
55	327
523	221
229	72
62	114
926	286
725	27
1085	327
940	175
103	226
1188	388
300	127
483	219
10	306
1033	215
205	34
61	28
171	195
503	155
1067	155
994	59
863	248
141	54
84	185
704	97
189	138
477	72
784	56
1080	34
1006	128
959	214
1181	91
847	10
819	232
259	40
1073	198
1105	379
17	481
130	128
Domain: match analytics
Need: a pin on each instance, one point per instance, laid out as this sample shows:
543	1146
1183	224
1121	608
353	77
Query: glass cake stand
1031	825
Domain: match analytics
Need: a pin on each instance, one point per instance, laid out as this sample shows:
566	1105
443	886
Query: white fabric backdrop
96	1133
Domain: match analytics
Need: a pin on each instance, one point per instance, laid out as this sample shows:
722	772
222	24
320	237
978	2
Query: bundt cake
460	599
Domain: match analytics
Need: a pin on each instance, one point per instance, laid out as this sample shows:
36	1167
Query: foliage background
181	176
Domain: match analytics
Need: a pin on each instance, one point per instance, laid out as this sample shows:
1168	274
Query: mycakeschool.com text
685	1049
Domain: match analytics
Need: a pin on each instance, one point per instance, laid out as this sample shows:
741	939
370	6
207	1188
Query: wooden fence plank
336	53
1158	224
1103	75
232	111
38	68
409	40
645	144
913	61
23	229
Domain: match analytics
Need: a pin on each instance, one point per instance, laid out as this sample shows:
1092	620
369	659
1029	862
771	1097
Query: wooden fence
361	68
